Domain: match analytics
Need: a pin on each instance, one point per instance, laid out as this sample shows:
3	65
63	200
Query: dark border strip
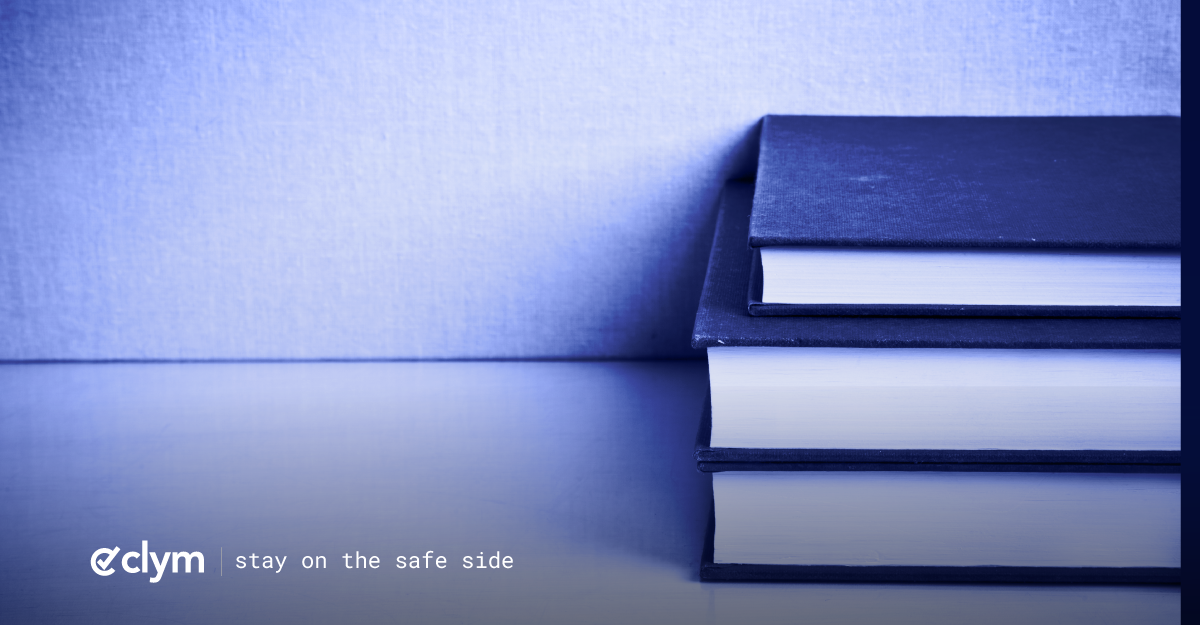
956	467
943	456
711	572
760	309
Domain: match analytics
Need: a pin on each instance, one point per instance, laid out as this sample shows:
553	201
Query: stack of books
947	350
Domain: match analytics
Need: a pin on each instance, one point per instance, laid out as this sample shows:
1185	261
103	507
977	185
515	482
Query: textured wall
270	179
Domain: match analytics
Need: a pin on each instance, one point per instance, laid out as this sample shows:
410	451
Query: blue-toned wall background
272	179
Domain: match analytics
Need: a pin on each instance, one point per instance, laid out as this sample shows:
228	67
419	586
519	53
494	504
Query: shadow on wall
248	181
671	316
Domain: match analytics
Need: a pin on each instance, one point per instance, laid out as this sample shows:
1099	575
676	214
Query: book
1110	387
946	398
722	319
807	455
902	449
967	216
934	527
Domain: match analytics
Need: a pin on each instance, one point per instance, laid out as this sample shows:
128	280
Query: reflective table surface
573	483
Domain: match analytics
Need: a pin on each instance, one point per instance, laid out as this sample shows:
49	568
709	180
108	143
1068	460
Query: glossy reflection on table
580	471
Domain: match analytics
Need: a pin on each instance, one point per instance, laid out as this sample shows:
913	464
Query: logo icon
101	566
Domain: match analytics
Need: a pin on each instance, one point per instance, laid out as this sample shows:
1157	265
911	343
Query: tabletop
361	491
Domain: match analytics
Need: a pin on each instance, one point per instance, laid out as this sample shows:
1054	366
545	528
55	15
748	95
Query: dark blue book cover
722	318
1075	183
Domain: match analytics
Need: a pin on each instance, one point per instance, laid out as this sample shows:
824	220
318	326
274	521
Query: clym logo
102	561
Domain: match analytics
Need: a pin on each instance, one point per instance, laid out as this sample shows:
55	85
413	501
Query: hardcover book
934	449
967	216
934	527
